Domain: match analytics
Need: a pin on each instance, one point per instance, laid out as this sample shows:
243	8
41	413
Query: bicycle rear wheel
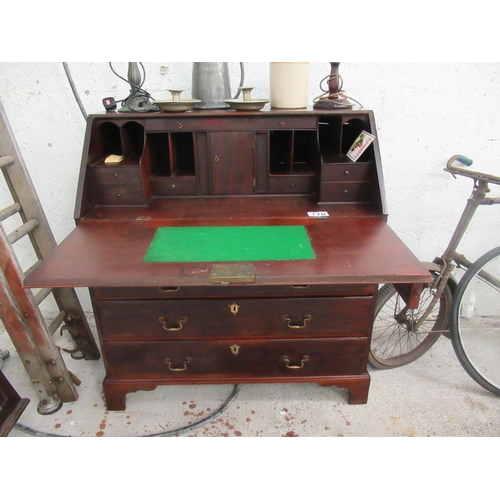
395	342
475	321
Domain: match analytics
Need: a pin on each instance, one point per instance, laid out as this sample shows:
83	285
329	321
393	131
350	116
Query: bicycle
467	312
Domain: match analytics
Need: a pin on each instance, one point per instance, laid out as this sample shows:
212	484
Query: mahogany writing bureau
289	242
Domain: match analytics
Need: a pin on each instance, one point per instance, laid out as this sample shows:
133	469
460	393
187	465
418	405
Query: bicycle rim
475	321
394	342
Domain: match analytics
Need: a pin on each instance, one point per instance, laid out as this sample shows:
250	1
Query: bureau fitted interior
214	320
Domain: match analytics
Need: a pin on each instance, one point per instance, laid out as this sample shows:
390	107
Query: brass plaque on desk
232	273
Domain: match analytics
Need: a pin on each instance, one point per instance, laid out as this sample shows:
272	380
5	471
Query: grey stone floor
431	397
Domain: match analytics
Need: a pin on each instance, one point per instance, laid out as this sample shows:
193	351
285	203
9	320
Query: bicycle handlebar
461	158
468	173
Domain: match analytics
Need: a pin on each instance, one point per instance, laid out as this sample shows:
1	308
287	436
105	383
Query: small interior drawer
119	195
346	172
287	184
345	192
173	186
116	176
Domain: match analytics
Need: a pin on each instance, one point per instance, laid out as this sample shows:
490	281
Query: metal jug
211	84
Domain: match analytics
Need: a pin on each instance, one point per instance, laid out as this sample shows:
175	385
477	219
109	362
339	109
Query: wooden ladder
31	335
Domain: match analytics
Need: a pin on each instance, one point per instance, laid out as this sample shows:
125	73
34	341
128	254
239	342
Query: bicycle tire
475	322
393	343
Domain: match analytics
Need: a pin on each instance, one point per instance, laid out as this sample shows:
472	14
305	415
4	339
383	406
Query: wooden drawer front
214	291
291	184
346	172
344	192
173	186
285	123
237	318
119	195
116	176
185	359
232	123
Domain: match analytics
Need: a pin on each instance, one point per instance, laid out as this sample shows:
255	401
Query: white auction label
318	214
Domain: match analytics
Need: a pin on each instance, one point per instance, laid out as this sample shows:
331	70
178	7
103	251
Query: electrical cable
222	409
330	97
73	88
137	88
174	432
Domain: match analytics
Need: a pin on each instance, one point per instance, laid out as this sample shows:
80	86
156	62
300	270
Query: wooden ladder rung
42	294
56	322
5	161
7	212
22	230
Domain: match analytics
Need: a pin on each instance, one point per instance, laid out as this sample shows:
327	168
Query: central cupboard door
232	163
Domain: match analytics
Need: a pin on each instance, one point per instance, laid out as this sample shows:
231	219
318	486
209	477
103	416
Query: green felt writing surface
231	243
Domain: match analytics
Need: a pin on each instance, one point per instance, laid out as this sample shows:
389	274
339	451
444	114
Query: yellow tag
113	159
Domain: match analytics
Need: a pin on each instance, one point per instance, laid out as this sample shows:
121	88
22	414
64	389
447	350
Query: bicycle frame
451	258
403	330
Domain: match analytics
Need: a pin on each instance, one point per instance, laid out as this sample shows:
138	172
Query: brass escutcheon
234	308
235	349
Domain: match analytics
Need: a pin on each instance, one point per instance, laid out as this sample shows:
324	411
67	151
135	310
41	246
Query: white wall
425	113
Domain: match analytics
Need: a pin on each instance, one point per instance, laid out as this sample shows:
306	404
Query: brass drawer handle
307	318
304	359
216	158
163	321
184	365
170	288
282	124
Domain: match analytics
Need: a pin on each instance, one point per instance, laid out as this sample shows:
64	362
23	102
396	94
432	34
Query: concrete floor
431	397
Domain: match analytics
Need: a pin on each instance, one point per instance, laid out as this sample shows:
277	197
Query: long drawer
195	123
246	358
241	290
235	318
